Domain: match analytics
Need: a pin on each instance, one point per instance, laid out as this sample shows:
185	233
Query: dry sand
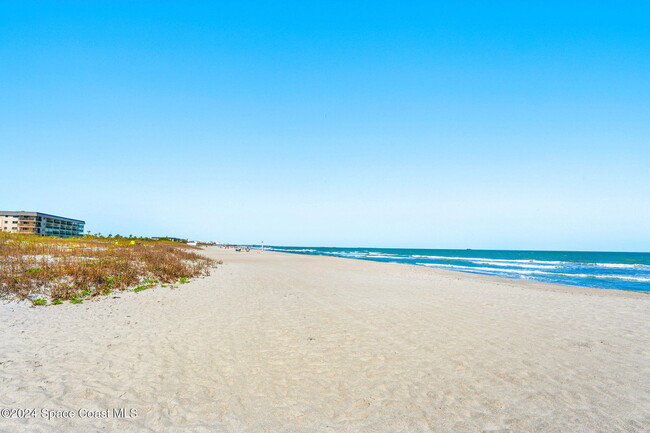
287	343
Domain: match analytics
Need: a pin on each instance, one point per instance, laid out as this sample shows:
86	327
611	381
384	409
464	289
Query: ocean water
625	271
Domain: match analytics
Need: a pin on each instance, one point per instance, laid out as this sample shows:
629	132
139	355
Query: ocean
624	271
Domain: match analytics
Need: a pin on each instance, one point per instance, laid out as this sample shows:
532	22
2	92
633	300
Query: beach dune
274	342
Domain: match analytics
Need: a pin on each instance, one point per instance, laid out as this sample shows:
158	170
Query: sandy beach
275	342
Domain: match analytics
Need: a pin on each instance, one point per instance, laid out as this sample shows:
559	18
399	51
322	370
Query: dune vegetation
56	269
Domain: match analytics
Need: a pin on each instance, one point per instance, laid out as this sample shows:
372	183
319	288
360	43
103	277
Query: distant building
42	224
169	238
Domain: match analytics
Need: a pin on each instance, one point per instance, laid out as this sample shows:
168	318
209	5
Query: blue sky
504	125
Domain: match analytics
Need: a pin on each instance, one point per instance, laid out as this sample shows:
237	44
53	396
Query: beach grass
75	269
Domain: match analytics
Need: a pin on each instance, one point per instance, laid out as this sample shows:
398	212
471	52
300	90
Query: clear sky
504	125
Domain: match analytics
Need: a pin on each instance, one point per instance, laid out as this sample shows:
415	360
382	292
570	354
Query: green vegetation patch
85	267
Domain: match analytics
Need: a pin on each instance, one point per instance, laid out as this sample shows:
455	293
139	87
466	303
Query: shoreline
495	279
283	342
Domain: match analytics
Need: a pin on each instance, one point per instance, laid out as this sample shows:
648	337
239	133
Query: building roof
23	213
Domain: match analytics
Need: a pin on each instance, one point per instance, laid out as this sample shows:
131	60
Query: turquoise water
625	271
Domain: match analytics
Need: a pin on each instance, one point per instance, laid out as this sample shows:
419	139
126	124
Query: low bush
77	268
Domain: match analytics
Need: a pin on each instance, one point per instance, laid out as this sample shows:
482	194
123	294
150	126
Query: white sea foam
373	254
475	259
609	277
288	250
471	268
363	254
536	272
620	265
517	264
532	263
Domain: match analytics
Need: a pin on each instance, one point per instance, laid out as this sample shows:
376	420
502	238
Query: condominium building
40	224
